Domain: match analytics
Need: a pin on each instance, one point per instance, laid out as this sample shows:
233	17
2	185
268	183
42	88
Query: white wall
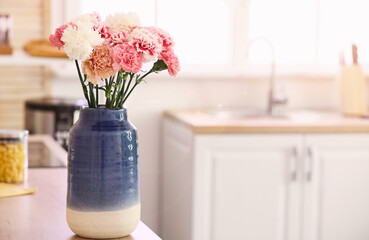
147	103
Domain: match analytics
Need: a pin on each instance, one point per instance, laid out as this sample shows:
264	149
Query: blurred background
233	53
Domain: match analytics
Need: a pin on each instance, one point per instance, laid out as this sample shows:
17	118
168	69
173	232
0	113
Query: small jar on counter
13	156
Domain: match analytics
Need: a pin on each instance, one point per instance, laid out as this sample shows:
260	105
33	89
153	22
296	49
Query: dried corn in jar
13	156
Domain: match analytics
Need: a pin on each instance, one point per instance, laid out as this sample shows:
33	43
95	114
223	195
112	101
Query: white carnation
92	18
80	41
121	21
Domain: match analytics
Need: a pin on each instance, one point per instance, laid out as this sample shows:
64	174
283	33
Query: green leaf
159	66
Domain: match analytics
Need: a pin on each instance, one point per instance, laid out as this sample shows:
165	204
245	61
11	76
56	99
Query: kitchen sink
301	115
237	113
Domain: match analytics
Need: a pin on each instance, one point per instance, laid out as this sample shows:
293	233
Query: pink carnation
126	57
172	62
103	29
118	38
164	38
99	65
146	42
55	39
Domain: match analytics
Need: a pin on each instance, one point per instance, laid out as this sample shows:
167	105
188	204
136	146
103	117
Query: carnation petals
126	57
55	39
172	62
146	42
99	65
103	30
80	41
122	22
118	43
165	39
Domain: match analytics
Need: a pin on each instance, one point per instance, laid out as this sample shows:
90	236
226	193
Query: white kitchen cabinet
242	186
337	190
264	186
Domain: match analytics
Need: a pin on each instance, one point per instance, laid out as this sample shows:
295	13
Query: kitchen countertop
42	215
303	121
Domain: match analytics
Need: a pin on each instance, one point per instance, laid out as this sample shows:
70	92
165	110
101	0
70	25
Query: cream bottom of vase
112	224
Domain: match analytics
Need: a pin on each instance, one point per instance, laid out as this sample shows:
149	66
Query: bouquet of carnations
113	53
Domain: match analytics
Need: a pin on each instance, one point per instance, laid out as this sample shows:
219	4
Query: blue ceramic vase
103	199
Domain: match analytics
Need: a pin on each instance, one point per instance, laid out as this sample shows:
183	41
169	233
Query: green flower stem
109	86
119	87
126	89
114	94
116	86
107	94
82	83
111	80
141	78
92	97
118	97
129	93
123	87
138	81
97	95
122	91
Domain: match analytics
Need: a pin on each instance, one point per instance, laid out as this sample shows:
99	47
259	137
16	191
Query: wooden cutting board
43	48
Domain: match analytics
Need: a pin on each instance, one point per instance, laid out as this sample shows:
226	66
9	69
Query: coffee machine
53	116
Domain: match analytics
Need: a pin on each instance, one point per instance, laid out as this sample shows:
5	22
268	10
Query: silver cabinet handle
293	164
309	163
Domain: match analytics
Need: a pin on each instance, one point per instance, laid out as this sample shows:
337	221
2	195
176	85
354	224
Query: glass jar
13	156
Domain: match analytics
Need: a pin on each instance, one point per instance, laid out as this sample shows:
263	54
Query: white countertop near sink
299	121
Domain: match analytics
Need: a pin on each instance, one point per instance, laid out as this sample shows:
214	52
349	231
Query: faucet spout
273	98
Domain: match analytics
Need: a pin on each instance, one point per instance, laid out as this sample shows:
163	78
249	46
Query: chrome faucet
274	99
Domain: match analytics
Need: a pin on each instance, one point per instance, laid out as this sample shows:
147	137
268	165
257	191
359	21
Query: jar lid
12	134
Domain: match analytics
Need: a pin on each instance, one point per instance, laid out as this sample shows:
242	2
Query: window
201	28
194	24
212	33
340	24
290	27
310	31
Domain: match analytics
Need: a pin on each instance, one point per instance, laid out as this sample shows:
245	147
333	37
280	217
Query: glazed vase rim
102	108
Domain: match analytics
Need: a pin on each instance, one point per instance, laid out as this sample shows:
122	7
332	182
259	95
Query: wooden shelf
21	58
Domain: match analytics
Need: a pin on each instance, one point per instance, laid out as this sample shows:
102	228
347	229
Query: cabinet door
245	187
177	181
337	187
